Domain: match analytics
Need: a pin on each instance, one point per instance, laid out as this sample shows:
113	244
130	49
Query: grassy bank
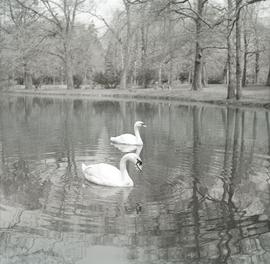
253	96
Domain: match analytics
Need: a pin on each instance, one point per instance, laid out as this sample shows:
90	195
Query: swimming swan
108	175
129	138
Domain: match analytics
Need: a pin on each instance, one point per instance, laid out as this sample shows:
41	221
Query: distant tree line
41	42
147	43
197	42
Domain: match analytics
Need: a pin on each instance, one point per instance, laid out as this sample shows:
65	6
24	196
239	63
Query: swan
108	175
129	138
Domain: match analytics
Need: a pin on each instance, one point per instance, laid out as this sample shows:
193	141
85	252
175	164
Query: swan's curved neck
137	134
123	170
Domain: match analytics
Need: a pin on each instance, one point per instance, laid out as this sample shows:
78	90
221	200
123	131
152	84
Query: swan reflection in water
117	198
106	192
128	148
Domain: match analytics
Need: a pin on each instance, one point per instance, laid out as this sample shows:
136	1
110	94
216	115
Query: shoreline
208	96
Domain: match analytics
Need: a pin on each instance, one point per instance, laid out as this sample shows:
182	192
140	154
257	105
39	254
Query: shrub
19	80
77	81
148	75
37	82
46	79
109	81
215	80
183	76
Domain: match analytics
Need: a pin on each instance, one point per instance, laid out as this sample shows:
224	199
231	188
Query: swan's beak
139	165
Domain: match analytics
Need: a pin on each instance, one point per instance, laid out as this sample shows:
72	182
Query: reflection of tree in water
105	106
41	102
17	182
195	173
67	160
232	224
146	109
19	185
212	229
77	105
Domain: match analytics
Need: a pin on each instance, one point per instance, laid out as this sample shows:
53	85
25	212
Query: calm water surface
203	196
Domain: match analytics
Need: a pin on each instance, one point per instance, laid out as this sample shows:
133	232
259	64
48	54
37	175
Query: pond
203	195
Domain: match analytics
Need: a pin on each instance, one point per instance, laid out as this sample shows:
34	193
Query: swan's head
139	124
134	158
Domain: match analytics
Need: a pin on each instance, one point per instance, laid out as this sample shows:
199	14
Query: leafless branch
108	26
238	10
214	47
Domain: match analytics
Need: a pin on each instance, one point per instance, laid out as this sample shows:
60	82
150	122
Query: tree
87	52
268	78
23	38
238	70
197	73
126	46
230	86
61	16
239	5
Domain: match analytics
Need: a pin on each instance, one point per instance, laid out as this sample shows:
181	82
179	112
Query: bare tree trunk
197	76
230	86
144	44
189	76
238	51
170	40
204	75
160	75
68	67
225	73
244	76
135	74
125	69
257	67
143	55
61	73
268	78
123	82
268	130
257	54
27	77
69	73
197	73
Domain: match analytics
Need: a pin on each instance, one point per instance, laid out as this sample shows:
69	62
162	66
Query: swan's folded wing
103	174
125	139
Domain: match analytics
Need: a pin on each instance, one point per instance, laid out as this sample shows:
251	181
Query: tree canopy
146	43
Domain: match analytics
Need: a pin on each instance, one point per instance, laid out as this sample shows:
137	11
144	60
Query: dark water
203	196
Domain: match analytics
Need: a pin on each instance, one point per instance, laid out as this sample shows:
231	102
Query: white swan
108	175
129	138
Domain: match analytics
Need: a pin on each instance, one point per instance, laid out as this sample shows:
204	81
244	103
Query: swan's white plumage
102	174
130	139
108	175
